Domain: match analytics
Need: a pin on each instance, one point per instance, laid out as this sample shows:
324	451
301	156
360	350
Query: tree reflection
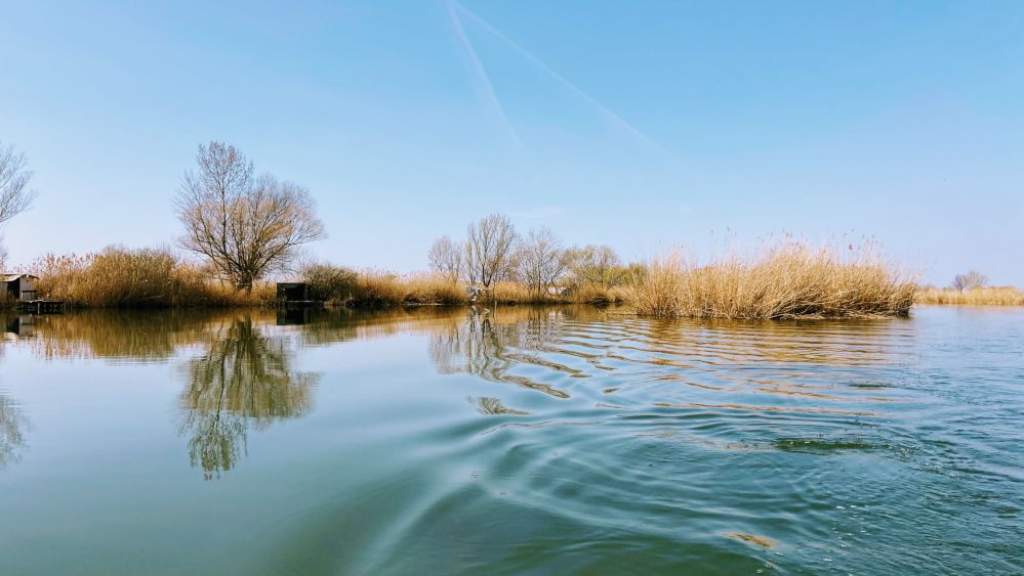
245	379
11	426
488	344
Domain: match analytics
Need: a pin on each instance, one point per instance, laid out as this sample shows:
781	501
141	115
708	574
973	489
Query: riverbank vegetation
788	281
981	296
137	278
970	289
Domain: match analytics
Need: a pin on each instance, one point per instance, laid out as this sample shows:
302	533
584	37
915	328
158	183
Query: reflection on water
12	422
12	425
19	325
119	335
490	343
524	440
494	407
236	377
243	379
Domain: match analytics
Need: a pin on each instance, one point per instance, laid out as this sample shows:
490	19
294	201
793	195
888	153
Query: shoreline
619	308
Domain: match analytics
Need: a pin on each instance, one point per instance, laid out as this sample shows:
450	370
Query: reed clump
983	296
789	281
340	286
433	289
137	278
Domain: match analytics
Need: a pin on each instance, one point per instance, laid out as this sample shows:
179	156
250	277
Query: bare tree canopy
15	197
246	227
970	281
489	247
446	259
541	260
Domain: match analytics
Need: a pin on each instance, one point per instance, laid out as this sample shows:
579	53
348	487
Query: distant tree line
494	252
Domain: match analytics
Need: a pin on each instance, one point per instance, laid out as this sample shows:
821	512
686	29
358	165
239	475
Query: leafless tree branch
245	226
15	197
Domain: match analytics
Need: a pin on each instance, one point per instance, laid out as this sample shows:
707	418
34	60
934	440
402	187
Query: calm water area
514	441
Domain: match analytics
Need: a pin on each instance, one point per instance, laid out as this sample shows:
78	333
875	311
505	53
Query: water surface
519	441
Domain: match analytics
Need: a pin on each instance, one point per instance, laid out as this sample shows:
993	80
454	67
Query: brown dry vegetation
136	278
994	296
789	281
375	289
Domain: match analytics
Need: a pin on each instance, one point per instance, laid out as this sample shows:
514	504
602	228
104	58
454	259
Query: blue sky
643	125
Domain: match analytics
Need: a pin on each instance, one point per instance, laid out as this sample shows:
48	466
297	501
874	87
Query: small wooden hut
20	287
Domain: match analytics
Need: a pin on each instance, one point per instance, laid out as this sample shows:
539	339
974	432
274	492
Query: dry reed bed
141	278
123	278
791	281
993	296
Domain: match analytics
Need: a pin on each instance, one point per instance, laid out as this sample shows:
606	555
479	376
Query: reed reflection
245	379
121	335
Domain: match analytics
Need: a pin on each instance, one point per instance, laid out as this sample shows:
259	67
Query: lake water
523	441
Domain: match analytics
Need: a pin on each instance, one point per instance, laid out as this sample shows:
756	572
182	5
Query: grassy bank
156	278
370	289
994	296
790	281
146	278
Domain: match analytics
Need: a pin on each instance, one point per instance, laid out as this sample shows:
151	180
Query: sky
648	126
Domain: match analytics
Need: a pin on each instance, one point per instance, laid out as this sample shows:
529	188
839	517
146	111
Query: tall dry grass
136	278
599	294
375	289
789	281
337	285
993	296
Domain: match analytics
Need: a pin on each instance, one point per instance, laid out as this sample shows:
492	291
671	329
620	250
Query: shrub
329	283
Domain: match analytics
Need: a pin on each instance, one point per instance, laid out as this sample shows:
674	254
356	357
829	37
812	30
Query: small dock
41	307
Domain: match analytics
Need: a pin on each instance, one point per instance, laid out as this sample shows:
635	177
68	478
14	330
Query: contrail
480	72
454	5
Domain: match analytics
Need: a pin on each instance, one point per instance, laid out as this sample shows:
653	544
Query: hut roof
12	277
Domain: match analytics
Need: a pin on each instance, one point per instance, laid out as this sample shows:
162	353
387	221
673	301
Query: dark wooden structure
293	291
295	295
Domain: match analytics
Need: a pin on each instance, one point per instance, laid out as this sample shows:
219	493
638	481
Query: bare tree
970	281
540	260
15	197
489	250
446	259
246	227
